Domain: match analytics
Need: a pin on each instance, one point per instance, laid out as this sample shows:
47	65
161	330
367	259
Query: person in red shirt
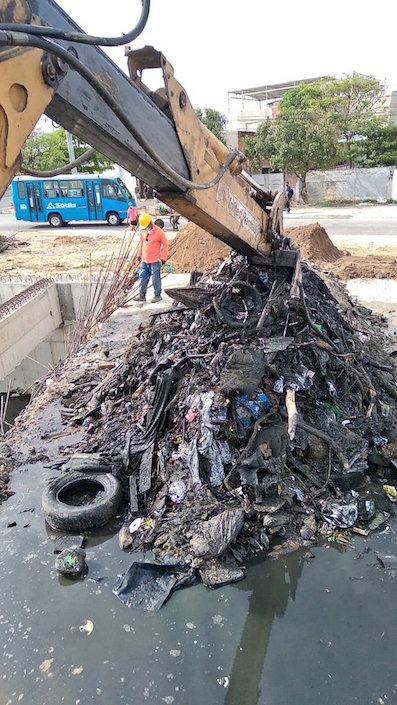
132	215
153	251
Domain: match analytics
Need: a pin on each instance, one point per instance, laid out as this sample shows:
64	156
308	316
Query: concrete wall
24	328
378	183
34	325
38	363
271	182
74	296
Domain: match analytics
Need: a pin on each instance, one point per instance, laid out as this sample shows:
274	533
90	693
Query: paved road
349	221
353	220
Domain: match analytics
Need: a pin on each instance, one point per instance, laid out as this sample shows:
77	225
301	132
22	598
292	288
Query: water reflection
269	599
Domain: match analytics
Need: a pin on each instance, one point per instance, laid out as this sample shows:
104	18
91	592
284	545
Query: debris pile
246	419
194	248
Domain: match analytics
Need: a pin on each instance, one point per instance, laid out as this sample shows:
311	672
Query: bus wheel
113	218
55	220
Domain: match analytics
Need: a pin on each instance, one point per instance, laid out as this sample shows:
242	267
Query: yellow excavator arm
154	135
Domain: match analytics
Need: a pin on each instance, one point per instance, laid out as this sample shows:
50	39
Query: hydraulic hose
11	38
81	37
62	169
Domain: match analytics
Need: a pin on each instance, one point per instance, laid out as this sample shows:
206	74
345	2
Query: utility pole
72	157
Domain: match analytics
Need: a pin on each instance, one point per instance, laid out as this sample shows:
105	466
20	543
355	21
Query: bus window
111	189
51	189
126	190
72	189
21	190
38	199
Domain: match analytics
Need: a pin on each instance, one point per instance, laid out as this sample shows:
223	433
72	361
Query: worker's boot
156	299
140	297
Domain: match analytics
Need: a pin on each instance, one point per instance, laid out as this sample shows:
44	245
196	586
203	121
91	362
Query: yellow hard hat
144	220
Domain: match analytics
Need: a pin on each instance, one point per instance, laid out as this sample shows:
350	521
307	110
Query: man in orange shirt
152	253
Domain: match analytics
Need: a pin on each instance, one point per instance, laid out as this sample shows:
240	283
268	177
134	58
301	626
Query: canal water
300	629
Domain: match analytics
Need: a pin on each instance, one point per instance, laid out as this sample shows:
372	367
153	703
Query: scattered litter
87	627
216	573
71	562
341	515
391	492
239	421
177	491
68	542
149	584
215	535
135	525
378	520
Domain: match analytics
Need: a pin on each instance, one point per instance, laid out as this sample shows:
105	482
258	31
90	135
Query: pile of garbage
251	416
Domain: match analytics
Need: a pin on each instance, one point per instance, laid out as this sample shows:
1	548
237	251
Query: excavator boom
154	135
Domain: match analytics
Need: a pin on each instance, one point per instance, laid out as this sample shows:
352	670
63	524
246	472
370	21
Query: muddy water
15	405
297	630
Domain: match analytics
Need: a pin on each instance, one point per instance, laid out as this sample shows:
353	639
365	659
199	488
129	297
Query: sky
216	46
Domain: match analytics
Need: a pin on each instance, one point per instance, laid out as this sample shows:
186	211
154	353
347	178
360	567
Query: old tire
74	518
113	218
55	220
232	301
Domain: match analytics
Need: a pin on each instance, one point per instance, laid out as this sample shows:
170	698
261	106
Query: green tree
301	138
46	151
214	120
380	147
355	106
260	146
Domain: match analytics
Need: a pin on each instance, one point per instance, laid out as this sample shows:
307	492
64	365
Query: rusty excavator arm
156	136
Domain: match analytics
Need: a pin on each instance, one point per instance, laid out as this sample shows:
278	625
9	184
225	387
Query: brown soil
314	243
47	254
194	248
370	267
50	254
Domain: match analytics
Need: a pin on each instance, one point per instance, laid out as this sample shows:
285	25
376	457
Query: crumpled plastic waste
217	453
341	515
279	385
298	494
391	492
177	491
302	379
191	415
215	535
366	509
249	408
149	585
380	441
243	371
331	389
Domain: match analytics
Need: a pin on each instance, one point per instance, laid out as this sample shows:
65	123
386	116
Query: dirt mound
194	248
370	267
314	243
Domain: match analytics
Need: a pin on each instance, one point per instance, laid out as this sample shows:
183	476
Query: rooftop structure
270	92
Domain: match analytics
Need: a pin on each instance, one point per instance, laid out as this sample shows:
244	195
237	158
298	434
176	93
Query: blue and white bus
70	197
